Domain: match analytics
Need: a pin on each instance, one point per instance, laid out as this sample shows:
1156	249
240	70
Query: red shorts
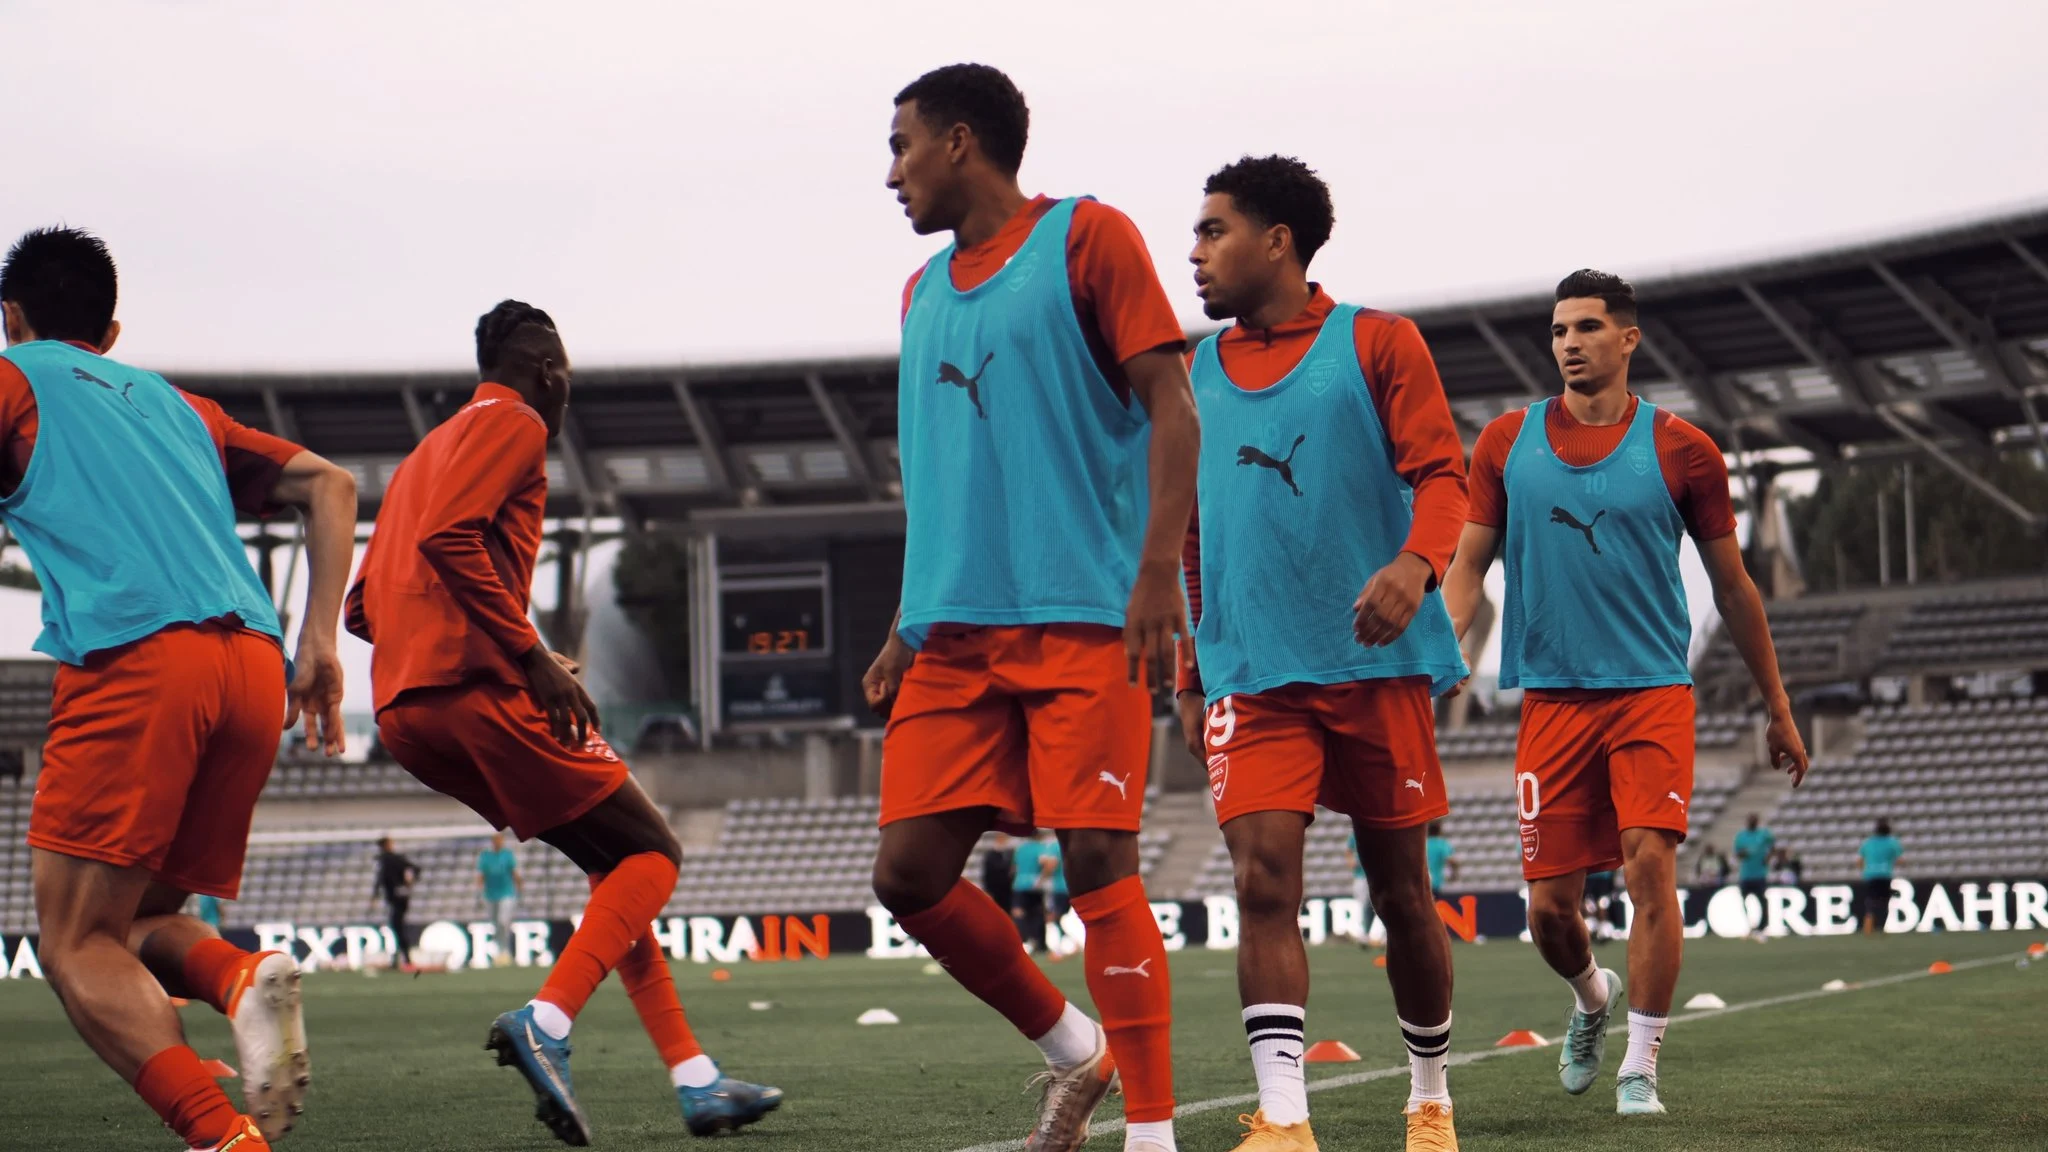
1588	766
489	746
1366	748
157	752
1039	722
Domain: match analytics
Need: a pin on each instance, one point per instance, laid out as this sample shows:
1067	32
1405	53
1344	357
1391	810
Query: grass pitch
1952	1061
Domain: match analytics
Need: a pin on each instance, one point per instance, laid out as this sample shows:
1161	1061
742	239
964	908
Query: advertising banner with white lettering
1212	923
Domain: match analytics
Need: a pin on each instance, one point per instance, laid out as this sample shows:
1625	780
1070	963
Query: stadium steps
1192	821
1761	792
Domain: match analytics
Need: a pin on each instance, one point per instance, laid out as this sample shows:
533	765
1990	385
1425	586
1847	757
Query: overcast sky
349	185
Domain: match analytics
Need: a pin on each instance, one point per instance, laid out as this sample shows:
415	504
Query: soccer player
1443	858
395	877
1332	465
471	702
1048	448
1590	493
1753	848
171	693
1880	853
497	881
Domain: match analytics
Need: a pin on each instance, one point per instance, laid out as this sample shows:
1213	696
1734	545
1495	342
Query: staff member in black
395	877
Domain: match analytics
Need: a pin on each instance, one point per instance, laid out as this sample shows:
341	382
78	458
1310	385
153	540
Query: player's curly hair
1617	294
1279	190
496	327
982	98
64	281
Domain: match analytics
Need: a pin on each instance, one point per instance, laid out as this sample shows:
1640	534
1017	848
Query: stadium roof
1931	343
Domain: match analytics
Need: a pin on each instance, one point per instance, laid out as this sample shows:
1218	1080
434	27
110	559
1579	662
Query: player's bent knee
1095	858
906	887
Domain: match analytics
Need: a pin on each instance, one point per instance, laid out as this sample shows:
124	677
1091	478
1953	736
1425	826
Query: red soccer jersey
1410	400
1693	467
251	459
443	588
1122	310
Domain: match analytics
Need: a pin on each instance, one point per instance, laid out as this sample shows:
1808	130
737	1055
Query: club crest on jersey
1639	459
1219	775
1018	272
1320	376
1532	842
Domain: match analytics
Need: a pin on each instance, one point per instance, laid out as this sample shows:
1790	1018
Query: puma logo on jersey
1106	778
949	374
89	378
1247	454
1675	799
1119	970
1560	516
1412	783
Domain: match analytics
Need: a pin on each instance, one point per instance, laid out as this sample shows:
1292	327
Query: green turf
1956	1061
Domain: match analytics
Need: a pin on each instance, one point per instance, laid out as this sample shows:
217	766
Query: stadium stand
1970	631
1964	784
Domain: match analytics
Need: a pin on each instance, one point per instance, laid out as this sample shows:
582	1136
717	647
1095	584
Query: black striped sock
1429	1050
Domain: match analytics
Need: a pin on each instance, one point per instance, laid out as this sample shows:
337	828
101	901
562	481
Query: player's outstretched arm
1465	583
326	494
1157	616
1742	611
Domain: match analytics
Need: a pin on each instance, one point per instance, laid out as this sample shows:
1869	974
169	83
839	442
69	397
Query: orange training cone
1521	1038
2037	950
1940	966
720	975
1330	1052
1379	961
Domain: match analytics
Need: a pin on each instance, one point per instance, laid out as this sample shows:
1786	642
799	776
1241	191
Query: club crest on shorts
1219	775
1320	376
1532	842
599	747
1639	459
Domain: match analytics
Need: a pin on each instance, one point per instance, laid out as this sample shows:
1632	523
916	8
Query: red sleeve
1697	475
502	451
1417	415
18	423
1487	483
1114	282
253	460
909	287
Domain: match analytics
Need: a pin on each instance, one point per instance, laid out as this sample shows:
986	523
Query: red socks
189	1100
977	942
621	907
652	987
212	969
1127	976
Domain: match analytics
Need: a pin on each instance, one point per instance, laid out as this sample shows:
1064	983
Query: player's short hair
982	98
1884	826
496	327
64	281
1617	294
1279	190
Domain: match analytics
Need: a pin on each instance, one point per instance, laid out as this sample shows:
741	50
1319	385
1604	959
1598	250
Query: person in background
1880	852
395	877
497	878
1599	905
1753	850
1443	858
1786	867
1027	892
998	867
1054	865
1711	868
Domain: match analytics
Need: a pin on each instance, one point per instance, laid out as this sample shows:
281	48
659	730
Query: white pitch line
1460	1059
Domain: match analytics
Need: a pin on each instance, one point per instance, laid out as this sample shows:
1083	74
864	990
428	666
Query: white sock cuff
1254	1011
1429	1030
1650	1019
